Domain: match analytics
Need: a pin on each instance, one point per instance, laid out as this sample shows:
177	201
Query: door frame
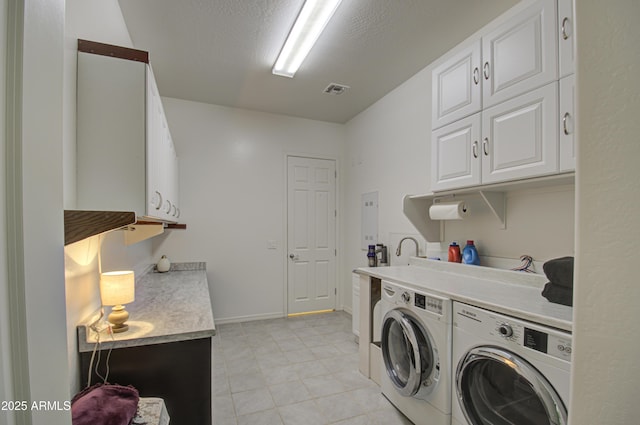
285	228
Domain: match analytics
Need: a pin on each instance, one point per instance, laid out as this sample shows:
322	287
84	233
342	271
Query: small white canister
163	265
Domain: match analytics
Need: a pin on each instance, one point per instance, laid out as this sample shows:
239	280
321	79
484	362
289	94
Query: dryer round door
497	387
409	354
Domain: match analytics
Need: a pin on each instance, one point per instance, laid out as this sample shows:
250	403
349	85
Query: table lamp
117	288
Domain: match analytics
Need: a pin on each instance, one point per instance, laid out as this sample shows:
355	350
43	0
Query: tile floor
294	371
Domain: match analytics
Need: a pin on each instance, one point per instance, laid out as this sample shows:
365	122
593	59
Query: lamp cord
93	326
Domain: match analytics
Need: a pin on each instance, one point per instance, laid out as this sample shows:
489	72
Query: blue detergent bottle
470	254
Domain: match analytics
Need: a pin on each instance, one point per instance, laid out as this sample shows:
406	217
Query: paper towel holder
496	201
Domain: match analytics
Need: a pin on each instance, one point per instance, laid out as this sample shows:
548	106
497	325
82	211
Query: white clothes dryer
508	371
416	353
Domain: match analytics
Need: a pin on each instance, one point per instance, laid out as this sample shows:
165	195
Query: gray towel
559	271
558	294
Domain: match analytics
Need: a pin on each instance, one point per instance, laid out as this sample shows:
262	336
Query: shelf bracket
496	201
416	209
141	231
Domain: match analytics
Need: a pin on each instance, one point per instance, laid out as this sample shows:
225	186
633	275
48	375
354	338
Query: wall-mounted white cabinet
520	136
515	57
457	86
126	160
513	140
455	154
521	54
495	102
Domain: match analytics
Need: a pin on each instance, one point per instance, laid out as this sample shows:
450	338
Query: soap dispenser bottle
470	254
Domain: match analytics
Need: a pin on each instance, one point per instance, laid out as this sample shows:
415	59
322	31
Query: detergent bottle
470	254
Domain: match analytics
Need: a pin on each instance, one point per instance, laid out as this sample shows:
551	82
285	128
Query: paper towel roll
448	211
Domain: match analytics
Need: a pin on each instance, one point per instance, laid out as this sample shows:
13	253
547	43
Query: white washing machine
508	371
416	353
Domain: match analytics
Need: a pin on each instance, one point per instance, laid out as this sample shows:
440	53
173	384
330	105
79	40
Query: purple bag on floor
105	404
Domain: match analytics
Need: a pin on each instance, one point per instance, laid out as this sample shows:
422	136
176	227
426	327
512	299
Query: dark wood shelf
80	224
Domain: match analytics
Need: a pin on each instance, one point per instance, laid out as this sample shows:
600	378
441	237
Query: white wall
42	205
387	152
232	198
6	383
102	21
606	337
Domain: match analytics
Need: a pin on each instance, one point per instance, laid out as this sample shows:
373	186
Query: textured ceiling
222	51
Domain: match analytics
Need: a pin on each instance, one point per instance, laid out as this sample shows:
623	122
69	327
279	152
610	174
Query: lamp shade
117	287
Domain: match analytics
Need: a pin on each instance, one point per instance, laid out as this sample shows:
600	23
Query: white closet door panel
520	136
455	154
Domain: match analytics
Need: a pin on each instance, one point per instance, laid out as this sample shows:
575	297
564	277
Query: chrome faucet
399	250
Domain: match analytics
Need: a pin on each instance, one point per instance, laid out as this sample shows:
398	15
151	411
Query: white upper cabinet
516	121
520	136
457	87
516	139
126	160
566	37
521	54
567	142
455	154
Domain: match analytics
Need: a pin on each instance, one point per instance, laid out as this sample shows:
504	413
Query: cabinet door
455	151
521	54
456	86
567	123
153	146
566	37
110	134
520	136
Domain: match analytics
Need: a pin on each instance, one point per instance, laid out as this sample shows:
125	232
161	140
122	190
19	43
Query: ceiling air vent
336	89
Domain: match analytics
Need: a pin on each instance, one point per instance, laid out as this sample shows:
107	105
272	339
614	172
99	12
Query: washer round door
497	387
409	354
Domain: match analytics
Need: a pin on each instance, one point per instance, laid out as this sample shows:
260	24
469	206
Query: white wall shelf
416	207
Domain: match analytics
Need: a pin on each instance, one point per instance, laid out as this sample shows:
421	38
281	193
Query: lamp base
117	318
116	329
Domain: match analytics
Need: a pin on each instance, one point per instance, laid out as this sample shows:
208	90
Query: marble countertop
513	293
168	307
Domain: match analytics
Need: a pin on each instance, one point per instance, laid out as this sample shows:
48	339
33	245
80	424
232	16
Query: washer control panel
410	298
431	304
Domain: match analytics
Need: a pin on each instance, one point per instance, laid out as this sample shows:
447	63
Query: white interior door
311	239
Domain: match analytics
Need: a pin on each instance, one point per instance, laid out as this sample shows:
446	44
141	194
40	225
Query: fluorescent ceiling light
313	17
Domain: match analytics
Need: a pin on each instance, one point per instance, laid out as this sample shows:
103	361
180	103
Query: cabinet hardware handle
475	149
565	35
293	257
485	144
485	69
476	75
565	118
159	203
